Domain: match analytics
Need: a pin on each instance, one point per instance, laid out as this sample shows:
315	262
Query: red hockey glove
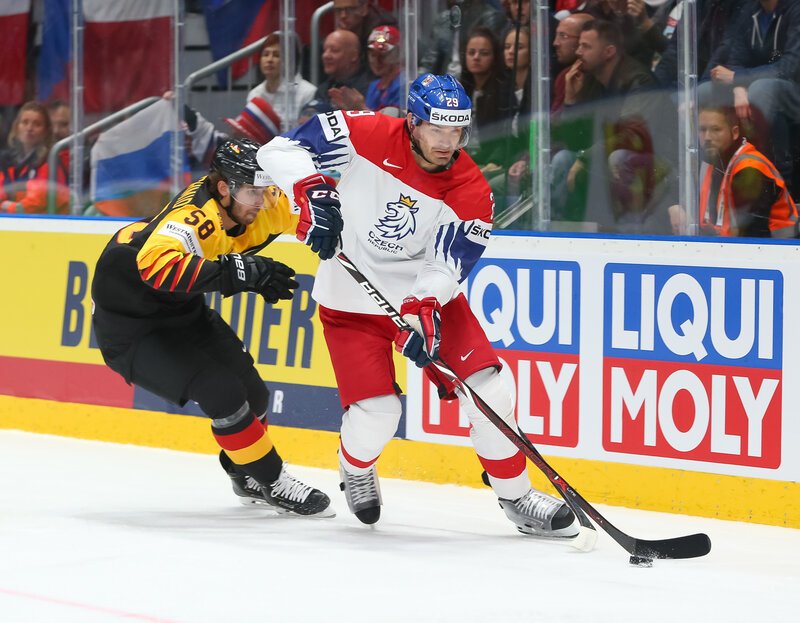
320	214
411	345
424	316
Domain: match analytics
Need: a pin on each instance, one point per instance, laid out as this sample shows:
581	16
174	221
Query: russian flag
131	163
14	19
127	48
233	24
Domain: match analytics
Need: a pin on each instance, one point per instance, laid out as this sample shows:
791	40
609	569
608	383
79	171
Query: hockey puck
641	561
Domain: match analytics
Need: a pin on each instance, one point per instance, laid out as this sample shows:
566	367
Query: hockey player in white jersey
417	217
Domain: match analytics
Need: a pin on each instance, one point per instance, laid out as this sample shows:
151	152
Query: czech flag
233	24
127	48
14	19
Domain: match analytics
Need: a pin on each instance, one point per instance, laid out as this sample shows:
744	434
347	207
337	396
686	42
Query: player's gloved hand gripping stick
690	546
419	341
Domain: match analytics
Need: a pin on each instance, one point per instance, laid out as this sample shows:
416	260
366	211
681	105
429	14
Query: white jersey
409	231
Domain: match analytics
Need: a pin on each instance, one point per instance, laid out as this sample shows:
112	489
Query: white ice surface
93	532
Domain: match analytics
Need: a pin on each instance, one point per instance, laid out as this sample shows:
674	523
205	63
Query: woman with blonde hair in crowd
273	89
23	166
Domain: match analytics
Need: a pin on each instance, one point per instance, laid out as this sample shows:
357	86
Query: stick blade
690	546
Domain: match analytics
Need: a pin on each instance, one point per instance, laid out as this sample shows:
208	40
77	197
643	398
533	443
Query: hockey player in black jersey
154	328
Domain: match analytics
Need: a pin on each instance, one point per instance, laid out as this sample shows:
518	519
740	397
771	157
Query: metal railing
316	17
223	63
64	143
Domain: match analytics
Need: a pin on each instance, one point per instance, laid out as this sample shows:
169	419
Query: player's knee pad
368	425
218	392
495	450
495	392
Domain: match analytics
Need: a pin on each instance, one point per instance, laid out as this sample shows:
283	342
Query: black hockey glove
254	273
320	214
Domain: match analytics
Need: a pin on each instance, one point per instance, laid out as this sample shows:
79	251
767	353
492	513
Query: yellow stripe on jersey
157	260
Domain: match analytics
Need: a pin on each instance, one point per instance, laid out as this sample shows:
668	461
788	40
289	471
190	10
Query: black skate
363	494
541	515
286	494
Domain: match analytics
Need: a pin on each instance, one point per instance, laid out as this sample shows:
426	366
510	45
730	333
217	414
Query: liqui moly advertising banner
651	352
693	363
529	310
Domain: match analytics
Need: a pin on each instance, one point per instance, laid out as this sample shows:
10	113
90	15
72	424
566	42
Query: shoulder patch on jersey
333	125
479	231
185	234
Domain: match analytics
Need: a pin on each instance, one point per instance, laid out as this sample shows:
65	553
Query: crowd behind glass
614	159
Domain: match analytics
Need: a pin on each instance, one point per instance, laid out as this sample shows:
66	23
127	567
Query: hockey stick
641	550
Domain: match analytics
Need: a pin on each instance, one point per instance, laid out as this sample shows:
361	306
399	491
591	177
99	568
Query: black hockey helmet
235	161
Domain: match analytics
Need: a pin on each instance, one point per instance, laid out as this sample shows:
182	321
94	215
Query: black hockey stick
689	546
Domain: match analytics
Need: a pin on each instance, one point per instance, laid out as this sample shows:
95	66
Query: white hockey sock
489	442
367	426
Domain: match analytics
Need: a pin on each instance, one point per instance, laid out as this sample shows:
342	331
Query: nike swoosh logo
464	357
386	163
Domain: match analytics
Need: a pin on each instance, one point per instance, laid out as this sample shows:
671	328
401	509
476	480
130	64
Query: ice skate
363	494
286	494
541	515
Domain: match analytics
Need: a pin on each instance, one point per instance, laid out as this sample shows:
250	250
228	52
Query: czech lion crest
399	221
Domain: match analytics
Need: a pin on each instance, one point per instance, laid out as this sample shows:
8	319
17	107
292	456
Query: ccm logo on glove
320	214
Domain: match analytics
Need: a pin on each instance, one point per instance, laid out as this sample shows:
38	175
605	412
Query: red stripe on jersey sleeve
195	273
179	272
164	272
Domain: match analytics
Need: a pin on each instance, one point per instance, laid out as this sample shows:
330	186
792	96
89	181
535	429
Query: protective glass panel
664	117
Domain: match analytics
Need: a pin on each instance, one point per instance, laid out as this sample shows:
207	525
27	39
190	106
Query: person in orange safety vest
741	191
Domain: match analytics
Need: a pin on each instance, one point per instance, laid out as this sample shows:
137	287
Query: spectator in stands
60	118
445	50
258	122
640	35
763	69
518	12
715	19
361	17
341	62
488	83
654	25
623	150
383	94
517	59
741	192
23	166
273	89
565	45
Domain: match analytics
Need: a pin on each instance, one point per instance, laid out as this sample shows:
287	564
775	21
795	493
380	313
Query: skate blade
547	536
264	505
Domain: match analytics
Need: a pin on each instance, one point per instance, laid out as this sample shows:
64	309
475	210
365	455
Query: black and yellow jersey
161	267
